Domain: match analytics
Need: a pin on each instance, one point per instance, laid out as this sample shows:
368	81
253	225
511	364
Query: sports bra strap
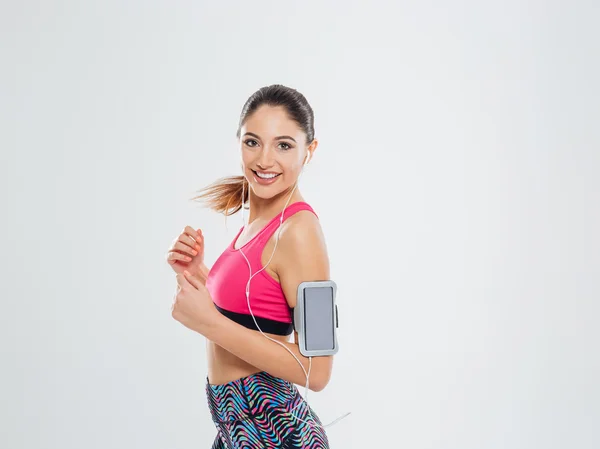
273	225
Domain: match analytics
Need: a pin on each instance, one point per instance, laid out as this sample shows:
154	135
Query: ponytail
225	195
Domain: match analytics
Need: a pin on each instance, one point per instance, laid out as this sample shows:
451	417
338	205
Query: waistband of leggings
248	396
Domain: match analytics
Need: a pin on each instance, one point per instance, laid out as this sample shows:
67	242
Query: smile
265	175
265	178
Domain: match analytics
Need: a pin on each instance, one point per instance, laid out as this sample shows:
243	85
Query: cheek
292	172
298	166
294	164
245	157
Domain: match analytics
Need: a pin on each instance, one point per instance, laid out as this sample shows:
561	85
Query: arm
202	274
301	256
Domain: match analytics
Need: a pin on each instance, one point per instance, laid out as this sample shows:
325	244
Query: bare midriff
224	367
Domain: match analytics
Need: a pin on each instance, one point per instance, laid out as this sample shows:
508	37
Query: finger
189	241
192	238
196	235
179	278
185	249
192	280
173	257
182	281
174	301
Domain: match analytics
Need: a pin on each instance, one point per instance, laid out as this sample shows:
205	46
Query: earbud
308	158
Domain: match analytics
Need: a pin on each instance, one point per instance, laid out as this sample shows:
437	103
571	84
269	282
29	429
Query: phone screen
319	318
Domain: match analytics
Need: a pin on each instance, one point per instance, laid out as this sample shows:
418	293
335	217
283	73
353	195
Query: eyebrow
276	138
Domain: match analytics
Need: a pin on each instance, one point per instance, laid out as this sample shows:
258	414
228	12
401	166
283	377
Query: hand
187	253
193	306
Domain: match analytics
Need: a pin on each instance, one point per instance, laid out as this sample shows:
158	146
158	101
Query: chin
266	192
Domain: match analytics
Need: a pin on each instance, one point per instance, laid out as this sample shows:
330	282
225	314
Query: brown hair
225	194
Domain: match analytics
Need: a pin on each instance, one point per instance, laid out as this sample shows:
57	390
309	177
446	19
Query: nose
265	158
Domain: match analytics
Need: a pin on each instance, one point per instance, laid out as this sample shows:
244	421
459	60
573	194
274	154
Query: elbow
319	381
316	387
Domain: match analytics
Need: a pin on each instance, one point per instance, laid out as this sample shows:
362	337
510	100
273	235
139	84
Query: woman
251	379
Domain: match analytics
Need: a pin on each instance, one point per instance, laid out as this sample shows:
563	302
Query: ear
311	151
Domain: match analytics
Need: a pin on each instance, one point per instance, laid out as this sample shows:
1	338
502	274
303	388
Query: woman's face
273	151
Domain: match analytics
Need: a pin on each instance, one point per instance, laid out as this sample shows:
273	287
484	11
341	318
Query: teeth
265	175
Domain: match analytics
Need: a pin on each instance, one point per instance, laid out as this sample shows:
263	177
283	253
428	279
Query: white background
456	181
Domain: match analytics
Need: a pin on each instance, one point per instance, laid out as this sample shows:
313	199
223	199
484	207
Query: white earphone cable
307	374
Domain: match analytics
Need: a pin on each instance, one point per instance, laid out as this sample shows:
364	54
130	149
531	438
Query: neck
261	208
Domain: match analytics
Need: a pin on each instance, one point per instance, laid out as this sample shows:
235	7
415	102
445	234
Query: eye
287	146
250	140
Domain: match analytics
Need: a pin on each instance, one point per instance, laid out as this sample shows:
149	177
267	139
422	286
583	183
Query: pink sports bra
229	275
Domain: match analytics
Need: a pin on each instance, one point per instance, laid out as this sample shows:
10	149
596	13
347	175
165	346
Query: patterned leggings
252	413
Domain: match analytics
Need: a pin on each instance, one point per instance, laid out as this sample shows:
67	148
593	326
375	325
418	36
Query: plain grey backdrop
456	180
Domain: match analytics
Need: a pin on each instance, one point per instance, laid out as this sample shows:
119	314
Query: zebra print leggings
253	413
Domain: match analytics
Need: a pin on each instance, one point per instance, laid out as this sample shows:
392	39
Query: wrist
202	274
204	269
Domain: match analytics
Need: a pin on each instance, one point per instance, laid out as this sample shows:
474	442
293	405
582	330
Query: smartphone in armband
316	318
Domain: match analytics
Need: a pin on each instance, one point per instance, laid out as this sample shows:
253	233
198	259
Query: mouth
265	177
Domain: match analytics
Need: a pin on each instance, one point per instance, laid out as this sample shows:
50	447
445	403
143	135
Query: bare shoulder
302	233
303	255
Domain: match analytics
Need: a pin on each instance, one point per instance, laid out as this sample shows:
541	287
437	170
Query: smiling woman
250	291
265	177
266	154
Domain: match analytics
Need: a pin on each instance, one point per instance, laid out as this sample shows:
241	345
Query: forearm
266	355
